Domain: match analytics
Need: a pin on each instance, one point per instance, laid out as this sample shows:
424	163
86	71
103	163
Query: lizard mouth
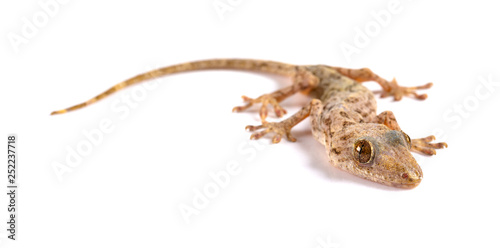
409	183
405	182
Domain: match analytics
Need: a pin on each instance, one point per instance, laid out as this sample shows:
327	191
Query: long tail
235	64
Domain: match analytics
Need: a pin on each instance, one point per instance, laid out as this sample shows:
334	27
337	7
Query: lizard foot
265	100
424	146
398	91
279	128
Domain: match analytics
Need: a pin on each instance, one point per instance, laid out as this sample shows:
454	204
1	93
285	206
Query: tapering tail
233	64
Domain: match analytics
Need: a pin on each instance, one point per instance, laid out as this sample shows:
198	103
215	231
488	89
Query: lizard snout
411	179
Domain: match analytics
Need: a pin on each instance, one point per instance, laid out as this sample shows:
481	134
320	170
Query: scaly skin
343	116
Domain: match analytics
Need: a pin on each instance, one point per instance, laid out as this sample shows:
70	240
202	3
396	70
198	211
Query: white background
129	188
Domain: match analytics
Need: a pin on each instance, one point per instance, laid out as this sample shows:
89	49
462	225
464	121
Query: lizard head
377	153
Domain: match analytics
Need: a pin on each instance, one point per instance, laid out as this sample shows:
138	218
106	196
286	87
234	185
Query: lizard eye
363	151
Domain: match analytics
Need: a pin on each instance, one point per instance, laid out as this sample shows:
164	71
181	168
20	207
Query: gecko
342	112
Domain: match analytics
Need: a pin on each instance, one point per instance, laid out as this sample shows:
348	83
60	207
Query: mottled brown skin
343	116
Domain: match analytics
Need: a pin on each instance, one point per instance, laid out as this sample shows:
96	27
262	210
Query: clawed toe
253	128
258	135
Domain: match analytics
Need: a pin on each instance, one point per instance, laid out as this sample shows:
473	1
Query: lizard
342	113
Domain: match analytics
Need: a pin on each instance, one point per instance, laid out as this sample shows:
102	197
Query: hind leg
302	81
390	88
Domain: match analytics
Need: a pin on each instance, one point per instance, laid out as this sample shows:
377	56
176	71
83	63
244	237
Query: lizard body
343	116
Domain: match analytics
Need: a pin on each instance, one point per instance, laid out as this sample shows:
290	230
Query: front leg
388	119
390	88
302	81
284	127
423	145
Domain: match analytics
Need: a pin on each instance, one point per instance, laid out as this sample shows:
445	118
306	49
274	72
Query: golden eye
363	151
